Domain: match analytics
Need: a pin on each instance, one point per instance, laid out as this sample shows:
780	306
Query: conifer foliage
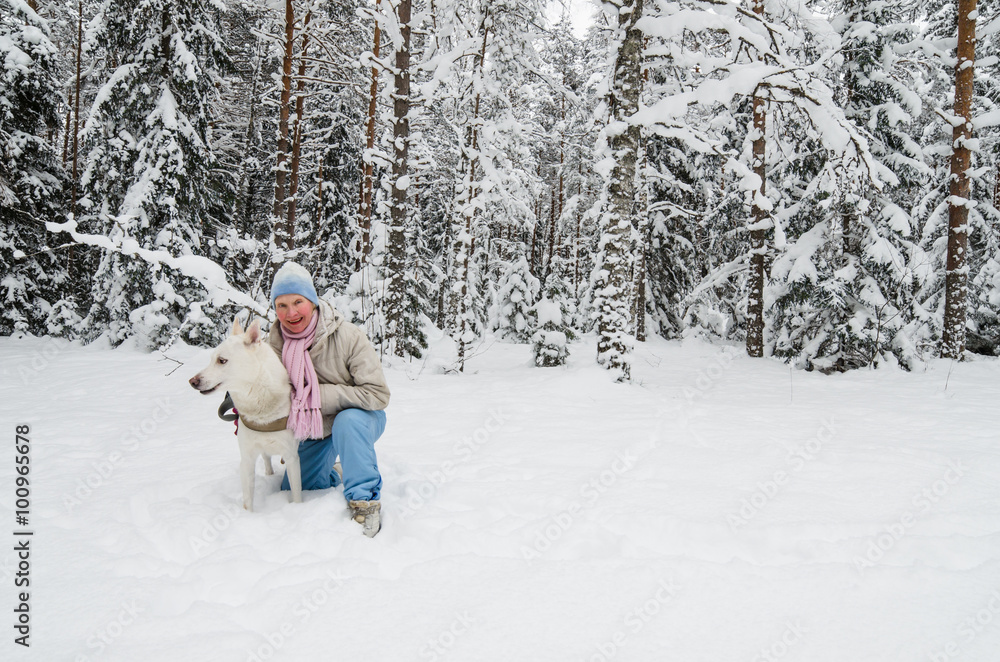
31	181
150	175
819	182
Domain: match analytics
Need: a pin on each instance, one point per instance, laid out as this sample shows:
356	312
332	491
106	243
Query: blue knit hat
293	279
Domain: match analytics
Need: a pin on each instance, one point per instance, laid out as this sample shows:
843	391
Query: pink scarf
305	419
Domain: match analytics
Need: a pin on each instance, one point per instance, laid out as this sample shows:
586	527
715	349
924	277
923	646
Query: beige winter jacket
349	370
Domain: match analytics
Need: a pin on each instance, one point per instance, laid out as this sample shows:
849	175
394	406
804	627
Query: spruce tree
150	176
552	318
518	291
33	284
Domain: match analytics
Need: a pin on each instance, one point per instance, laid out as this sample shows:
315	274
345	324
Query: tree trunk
248	187
996	189
282	233
68	127
562	150
643	227
396	257
613	284
758	233
320	212
367	171
956	270
300	100
553	235
533	260
76	107
576	242
465	242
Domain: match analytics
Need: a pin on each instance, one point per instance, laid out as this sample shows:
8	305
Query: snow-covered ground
720	508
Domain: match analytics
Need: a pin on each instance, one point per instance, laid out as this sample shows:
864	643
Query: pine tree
552	320
844	284
244	147
984	314
150	175
518	291
331	145
956	274
32	183
778	153
480	62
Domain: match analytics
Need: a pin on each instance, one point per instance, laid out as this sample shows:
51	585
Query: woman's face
294	312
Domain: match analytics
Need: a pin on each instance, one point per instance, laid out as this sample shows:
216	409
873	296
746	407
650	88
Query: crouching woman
338	394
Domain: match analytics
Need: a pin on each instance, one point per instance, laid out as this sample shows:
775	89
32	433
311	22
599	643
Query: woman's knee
359	421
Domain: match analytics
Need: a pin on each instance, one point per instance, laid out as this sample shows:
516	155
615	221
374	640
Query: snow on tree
797	144
983	334
619	145
955	227
960	199
243	145
150	169
480	66
31	180
552	319
517	293
843	286
404	307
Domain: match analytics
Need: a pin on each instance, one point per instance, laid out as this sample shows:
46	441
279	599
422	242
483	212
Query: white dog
259	387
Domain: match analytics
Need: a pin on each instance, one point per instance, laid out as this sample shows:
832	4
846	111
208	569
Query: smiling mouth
208	390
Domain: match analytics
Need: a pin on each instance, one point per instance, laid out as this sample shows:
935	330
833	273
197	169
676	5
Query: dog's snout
195	381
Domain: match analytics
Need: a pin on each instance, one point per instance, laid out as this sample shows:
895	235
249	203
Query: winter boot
368	515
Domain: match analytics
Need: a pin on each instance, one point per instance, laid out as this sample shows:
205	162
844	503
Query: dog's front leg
248	465
294	470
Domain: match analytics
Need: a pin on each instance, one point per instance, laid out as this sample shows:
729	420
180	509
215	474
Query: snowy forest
817	179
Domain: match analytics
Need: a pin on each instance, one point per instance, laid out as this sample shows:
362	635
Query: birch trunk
612	294
758	234
367	170
396	253
300	100
466	208
282	235
76	106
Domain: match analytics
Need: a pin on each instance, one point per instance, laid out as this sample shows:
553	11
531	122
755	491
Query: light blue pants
352	438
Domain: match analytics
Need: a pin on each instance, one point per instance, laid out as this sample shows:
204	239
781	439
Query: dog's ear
253	332
237	329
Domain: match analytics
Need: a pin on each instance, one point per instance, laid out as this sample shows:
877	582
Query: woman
338	394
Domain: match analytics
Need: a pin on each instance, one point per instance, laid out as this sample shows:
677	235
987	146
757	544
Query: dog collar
273	426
